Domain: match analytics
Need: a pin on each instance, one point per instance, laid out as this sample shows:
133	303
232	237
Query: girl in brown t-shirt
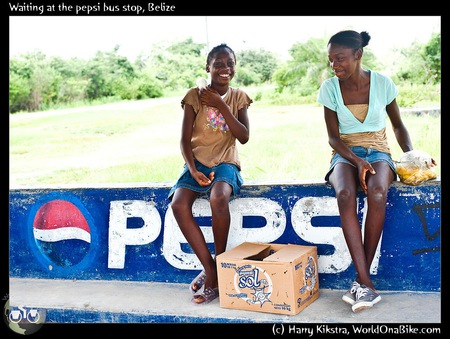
214	117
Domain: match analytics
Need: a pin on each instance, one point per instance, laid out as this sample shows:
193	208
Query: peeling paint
152	247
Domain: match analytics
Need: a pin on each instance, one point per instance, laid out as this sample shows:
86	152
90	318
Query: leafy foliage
421	64
40	83
259	65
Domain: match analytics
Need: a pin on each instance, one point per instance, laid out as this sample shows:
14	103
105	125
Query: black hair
216	49
351	39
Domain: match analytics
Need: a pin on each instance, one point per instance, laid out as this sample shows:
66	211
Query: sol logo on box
62	234
248	277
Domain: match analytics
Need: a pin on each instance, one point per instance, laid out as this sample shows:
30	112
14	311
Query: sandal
198	282
206	296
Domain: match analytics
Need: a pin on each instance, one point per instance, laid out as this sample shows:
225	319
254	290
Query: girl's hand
202	179
363	168
210	97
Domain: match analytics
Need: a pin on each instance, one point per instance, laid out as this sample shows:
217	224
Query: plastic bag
415	167
201	83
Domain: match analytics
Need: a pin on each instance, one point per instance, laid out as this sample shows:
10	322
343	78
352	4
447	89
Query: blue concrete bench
128	233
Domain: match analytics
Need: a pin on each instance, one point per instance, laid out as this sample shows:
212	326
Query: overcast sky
83	36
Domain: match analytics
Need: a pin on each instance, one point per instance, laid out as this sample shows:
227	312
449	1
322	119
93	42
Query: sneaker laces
361	292
354	287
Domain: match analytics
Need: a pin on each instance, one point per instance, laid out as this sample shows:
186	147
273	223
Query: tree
186	47
108	74
421	63
33	72
432	58
305	71
177	66
260	63
309	67
19	86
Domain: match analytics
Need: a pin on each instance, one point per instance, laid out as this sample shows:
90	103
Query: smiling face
343	60
222	68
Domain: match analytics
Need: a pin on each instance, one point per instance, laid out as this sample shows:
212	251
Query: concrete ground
67	301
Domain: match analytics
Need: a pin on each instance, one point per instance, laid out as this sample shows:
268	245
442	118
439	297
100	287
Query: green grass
138	142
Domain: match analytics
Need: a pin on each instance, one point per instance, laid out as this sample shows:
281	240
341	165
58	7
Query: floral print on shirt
215	120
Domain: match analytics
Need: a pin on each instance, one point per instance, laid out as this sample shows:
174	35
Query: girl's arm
399	128
186	147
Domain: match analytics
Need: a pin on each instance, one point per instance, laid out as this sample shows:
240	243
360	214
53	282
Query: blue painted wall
128	233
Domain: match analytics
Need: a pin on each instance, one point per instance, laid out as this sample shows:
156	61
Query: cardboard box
273	278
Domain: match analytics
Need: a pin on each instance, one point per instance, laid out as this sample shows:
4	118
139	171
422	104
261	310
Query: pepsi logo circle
62	233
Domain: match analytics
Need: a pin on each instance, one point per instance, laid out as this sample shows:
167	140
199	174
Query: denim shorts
229	173
369	154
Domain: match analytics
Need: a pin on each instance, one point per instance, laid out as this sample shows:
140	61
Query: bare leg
220	197
182	202
378	188
344	181
219	200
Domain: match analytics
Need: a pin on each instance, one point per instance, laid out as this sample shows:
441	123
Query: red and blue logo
62	234
60	220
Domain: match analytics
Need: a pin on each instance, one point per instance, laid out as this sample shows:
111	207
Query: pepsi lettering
120	236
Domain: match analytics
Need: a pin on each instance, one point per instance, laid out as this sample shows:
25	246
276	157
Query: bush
414	95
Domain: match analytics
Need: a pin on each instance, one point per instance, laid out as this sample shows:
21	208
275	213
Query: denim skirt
369	154
229	173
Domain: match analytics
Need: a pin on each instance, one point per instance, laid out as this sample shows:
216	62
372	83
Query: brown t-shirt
212	141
